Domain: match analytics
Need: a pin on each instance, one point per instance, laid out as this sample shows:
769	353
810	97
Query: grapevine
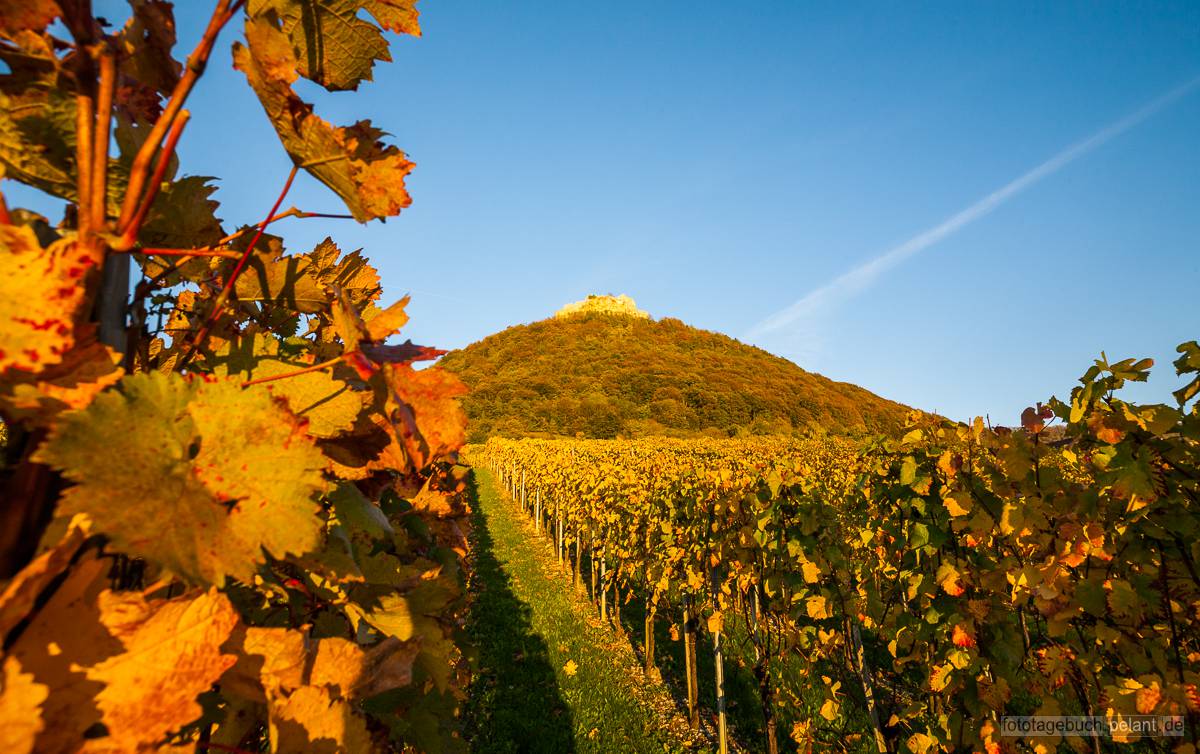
232	519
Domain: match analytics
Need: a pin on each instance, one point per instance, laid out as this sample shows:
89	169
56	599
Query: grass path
550	676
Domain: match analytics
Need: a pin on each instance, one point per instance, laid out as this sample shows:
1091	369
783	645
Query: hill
603	368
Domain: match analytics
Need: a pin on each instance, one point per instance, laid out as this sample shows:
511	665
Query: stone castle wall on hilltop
623	305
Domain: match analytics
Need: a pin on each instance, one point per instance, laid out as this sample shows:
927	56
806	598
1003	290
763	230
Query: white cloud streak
859	278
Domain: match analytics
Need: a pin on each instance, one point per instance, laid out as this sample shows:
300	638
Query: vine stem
297	373
223	297
140	169
104	105
84	122
293	212
220	747
152	251
129	235
214	250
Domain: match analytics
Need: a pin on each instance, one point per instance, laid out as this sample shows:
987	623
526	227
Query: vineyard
231	516
903	595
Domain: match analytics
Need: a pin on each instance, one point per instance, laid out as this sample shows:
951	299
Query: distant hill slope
605	374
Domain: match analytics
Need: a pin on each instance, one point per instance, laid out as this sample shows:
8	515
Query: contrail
860	277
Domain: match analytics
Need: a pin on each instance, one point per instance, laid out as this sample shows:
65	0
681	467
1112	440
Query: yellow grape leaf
811	572
395	15
183	216
20	594
393	616
145	44
280	659
716	622
384	322
41	291
329	405
939	677
920	743
84	371
62	638
950	580
172	655
197	475
358	673
313	720
830	709
352	161
570	668
1146	699
133	665
434	501
958	505
817	608
21	700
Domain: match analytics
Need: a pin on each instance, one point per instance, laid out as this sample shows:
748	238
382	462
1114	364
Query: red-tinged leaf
432	395
85	370
405	353
41	293
26	15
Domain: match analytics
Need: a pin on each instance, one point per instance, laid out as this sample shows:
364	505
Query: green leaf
357	513
37	141
199	476
918	535
183	215
1092	598
1188	363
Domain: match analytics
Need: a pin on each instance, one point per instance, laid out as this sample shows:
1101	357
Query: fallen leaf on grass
570	668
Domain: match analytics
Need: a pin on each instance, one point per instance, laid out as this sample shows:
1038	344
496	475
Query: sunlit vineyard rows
904	594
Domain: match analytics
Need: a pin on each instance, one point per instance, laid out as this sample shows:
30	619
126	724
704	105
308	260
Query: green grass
525	624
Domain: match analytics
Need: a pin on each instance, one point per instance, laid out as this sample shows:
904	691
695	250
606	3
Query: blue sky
720	162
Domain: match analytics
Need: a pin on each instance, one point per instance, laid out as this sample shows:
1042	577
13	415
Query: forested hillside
605	375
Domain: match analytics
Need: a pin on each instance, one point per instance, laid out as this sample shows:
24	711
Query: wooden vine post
603	586
578	557
689	661
719	668
856	647
648	643
559	534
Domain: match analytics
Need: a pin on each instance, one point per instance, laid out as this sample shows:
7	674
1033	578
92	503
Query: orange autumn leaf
961	637
41	292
